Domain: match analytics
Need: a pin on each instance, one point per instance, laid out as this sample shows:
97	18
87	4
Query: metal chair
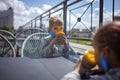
31	45
21	36
6	48
9	36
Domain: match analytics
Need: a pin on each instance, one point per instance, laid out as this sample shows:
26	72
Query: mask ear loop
104	63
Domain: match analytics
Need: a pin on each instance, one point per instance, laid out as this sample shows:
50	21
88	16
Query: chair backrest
21	36
31	45
6	48
9	36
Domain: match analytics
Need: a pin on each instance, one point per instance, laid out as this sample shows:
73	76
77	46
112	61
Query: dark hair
55	21
116	18
109	36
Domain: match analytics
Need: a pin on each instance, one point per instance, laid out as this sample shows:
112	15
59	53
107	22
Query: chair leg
17	51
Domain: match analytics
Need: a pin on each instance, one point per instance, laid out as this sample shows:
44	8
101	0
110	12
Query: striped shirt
56	50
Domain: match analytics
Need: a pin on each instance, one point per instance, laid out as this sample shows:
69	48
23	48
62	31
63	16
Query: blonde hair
55	21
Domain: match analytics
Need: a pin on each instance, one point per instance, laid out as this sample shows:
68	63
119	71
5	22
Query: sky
25	10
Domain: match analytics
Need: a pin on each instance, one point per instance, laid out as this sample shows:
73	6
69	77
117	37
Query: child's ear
106	52
48	28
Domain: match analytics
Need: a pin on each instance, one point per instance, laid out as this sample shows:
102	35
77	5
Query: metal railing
68	6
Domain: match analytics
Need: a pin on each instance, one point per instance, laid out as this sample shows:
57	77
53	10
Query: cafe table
34	68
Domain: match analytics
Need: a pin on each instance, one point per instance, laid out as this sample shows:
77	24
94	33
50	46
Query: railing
67	9
62	8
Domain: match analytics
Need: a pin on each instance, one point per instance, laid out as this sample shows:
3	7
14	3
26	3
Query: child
106	43
49	45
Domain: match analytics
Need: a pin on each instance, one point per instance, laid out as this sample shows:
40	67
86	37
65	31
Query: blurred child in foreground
106	43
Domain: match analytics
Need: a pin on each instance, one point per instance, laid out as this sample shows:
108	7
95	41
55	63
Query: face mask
52	34
104	64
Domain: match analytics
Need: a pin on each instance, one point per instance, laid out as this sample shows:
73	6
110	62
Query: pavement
80	48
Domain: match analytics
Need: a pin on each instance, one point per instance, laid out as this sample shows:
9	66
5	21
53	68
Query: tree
12	27
5	28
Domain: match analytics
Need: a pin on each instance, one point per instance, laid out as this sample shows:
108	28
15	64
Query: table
34	69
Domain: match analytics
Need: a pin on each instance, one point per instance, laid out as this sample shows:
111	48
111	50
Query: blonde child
50	45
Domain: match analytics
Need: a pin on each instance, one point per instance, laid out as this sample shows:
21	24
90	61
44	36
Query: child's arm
52	42
66	44
47	46
67	50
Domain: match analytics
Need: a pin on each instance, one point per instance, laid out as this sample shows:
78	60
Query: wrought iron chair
21	36
6	48
9	36
31	45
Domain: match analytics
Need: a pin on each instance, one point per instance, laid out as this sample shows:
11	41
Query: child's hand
53	41
79	67
62	40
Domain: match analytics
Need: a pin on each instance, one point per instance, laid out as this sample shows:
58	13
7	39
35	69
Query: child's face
57	29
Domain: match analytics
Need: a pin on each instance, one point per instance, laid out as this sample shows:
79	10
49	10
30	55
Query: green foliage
5	28
80	41
74	35
12	27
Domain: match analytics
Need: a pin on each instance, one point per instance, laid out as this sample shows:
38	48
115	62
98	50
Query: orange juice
60	34
89	59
